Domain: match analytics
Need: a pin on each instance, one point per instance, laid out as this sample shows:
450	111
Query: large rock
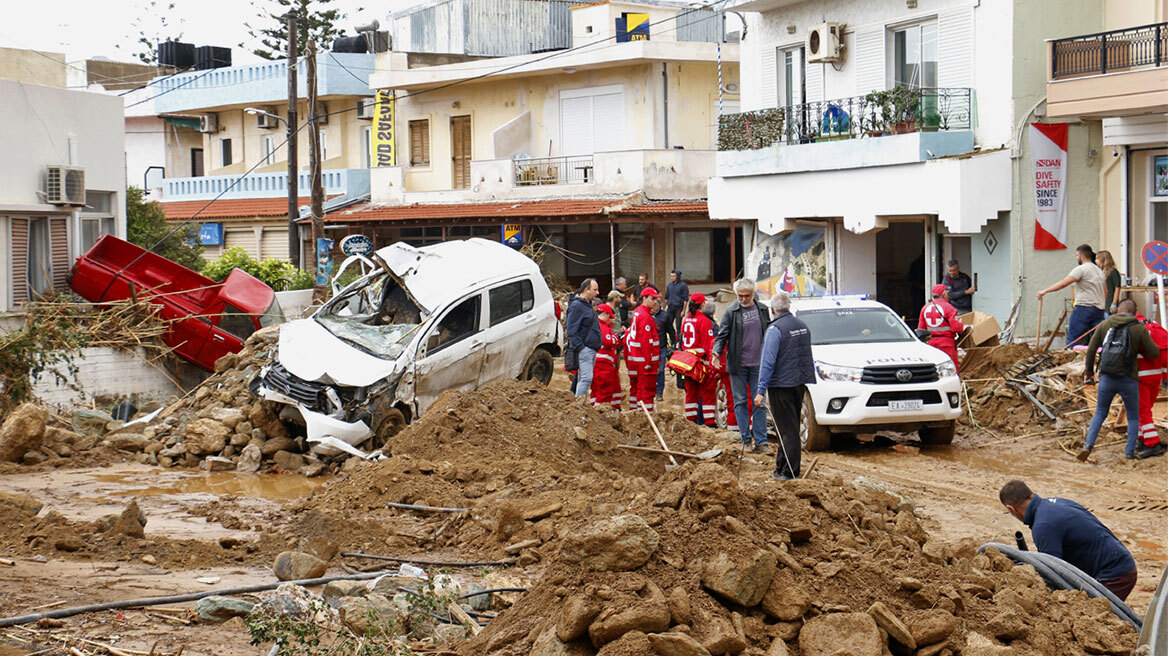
215	609
288	461
206	436
22	431
335	591
785	598
650	614
720	636
896	629
229	417
621	543
262	417
547	644
249	459
90	422
276	444
712	484
129	441
132	521
575	616
294	566
633	642
908	526
676	644
742	580
978	645
933	626
367	614
24	503
855	634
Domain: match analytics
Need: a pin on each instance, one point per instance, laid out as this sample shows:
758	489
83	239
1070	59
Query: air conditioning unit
365	108
824	43
65	185
266	122
209	123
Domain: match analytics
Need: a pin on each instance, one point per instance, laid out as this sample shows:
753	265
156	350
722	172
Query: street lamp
293	185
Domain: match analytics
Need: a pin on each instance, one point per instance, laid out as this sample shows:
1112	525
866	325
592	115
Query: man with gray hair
786	369
740	333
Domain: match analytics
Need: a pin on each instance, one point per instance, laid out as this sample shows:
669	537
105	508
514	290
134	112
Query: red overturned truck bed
206	319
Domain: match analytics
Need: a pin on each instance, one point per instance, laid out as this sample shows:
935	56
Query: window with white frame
592	120
97	218
367	146
1158	197
40	257
792	66
914	55
268	150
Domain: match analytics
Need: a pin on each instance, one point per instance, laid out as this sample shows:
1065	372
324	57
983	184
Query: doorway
955	247
460	151
901	268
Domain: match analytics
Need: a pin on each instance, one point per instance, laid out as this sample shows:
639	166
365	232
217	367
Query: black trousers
786	405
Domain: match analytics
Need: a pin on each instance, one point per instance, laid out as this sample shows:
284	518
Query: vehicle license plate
900	406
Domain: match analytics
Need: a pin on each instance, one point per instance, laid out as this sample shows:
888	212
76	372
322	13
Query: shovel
660	439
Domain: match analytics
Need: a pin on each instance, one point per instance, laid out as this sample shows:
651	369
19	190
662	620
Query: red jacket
1153	369
608	346
940	319
642	343
697	335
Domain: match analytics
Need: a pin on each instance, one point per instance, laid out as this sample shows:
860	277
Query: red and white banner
1048	153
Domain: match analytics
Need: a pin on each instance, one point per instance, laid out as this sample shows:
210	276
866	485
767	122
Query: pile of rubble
33	434
702	565
1013	388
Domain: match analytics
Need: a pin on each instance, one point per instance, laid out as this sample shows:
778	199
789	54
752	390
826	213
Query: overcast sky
88	28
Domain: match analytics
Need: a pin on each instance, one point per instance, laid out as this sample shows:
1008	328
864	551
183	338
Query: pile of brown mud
512	453
1002	408
701	565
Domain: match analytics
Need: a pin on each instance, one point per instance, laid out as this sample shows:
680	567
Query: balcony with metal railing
529	171
348	182
1115	73
897	126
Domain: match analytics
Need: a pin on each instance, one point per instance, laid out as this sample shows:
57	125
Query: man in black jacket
741	333
583	333
676	294
960	286
786	371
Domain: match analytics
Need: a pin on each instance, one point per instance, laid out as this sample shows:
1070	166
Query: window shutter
19	261
955	48
576	125
869	58
59	247
608	122
769	78
814	82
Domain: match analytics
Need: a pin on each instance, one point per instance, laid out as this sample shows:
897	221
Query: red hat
698	298
939	289
649	291
605	308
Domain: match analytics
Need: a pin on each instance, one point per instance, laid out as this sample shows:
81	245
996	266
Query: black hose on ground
1061	575
175	599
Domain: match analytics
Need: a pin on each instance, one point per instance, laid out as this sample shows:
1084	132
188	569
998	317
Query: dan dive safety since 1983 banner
1048	152
383	143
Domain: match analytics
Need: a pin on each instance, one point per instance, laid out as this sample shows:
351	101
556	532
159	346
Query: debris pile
33	434
1011	387
700	565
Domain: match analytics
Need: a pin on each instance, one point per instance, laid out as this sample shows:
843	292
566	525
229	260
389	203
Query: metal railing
1107	52
575	169
897	111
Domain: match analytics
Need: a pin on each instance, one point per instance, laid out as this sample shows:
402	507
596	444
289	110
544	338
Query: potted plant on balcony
876	109
905	104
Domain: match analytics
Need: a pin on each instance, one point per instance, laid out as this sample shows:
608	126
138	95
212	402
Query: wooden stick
410	506
1038	326
1058	324
1029	435
458	613
652	450
811	467
654	425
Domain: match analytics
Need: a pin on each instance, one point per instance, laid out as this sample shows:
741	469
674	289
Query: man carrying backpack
1120	339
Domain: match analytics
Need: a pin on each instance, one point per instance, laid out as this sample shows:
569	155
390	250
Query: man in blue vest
1064	529
786	369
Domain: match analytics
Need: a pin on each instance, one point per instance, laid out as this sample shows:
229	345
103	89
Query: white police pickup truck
873	374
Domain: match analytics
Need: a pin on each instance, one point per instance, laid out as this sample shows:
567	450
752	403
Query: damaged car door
450	356
511	330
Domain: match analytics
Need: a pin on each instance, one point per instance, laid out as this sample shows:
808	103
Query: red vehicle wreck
206	319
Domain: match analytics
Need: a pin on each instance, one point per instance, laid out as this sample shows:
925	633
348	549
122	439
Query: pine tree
314	22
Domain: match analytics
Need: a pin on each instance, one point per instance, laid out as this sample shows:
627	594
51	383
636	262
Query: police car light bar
845	297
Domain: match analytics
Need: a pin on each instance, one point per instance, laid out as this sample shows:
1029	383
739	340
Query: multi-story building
599	149
62	174
215	140
885	137
1117	74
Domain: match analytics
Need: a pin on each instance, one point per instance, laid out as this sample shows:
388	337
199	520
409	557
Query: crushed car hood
310	352
437	274
876	355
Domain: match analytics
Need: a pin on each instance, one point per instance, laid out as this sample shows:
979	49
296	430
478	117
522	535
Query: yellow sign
384	146
638	27
513	234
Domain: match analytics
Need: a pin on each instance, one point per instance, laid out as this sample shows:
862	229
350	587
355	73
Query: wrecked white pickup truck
451	316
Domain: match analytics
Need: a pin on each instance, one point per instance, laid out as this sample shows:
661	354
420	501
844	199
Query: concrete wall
145	147
693	95
1035	21
104	372
1121	14
28	66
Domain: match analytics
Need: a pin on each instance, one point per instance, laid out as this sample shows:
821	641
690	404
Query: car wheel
539	367
386	421
813	436
938	436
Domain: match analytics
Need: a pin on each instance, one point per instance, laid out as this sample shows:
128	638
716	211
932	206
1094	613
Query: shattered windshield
374	314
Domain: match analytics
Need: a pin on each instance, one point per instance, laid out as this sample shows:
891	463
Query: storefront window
693	254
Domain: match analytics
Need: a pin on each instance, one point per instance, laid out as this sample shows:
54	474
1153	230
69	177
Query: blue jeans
1128	389
743	384
1083	318
584	377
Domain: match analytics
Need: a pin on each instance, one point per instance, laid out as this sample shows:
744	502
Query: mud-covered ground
192	515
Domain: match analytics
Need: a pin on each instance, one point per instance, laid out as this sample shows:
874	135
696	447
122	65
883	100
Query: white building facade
866	166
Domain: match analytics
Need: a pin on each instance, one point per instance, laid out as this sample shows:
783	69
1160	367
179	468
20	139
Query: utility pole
314	159
293	186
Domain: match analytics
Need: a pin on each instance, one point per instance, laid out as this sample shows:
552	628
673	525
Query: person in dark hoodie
676	295
583	331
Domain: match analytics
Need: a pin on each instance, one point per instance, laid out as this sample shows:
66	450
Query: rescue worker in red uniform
697	337
606	389
1151	377
643	351
940	319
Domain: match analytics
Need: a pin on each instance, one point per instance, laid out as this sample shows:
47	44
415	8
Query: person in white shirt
1090	292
